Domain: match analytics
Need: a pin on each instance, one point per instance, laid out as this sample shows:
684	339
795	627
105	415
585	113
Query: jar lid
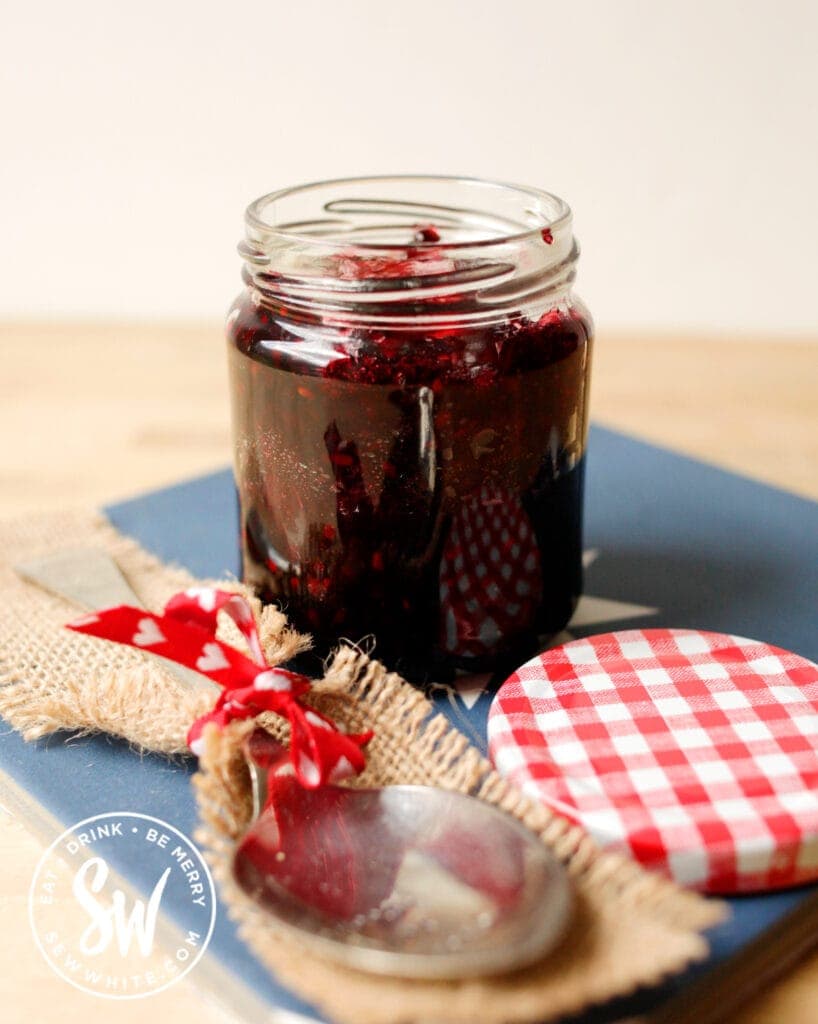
693	751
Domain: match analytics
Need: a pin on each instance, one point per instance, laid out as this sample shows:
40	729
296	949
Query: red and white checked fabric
696	752
490	576
186	633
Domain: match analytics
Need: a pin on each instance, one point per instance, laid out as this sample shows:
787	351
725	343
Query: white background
683	134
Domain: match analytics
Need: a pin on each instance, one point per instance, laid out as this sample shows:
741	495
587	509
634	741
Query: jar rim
545	211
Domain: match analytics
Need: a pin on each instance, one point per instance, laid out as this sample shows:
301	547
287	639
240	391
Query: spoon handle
90	578
265	756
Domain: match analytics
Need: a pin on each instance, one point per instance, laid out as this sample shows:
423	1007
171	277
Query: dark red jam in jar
409	374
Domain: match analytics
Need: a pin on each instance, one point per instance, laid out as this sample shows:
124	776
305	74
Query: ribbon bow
186	633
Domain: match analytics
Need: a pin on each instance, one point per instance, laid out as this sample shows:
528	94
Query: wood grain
91	413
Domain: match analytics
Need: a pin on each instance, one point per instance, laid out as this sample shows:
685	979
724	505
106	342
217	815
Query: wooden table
90	413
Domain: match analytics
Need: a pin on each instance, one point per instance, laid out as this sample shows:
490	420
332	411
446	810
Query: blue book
669	542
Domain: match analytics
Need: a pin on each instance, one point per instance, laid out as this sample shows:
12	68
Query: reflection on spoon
406	880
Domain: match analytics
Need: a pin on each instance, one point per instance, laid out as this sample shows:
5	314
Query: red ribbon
186	633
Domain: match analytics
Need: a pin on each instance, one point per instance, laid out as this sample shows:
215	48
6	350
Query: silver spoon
410	881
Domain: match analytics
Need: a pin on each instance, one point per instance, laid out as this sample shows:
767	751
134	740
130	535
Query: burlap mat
630	928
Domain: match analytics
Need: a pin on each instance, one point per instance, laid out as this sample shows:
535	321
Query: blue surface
707	548
193	524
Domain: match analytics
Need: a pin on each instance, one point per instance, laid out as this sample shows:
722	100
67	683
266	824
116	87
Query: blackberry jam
409	375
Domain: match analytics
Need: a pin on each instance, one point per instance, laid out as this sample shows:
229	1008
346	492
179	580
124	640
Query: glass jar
409	373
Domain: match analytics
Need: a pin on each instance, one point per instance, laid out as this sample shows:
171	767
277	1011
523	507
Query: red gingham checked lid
694	751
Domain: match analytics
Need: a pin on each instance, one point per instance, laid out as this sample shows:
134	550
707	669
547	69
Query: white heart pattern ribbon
186	633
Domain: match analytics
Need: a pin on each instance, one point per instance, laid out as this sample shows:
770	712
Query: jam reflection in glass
421	485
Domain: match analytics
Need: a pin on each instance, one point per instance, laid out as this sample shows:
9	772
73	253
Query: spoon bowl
409	881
